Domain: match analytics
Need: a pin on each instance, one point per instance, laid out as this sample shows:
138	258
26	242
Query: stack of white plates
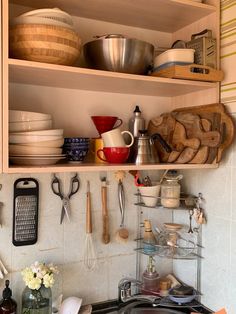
31	139
53	16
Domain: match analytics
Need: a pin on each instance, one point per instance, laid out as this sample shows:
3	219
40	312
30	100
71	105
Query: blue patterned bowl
75	154
76	140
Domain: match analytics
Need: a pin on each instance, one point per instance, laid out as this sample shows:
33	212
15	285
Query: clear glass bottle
37	301
170	191
149	240
150	278
7	304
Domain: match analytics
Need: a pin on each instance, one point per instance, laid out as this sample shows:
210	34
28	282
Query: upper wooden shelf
162	15
36	73
83	167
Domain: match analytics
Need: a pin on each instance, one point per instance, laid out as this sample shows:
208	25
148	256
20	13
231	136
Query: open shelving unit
83	167
164	15
43	74
163	21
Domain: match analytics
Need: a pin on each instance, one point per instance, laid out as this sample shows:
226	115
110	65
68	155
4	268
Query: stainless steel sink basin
153	310
140	308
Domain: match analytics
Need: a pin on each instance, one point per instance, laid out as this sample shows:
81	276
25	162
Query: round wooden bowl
44	43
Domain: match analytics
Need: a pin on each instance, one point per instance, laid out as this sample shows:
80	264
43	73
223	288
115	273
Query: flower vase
37	301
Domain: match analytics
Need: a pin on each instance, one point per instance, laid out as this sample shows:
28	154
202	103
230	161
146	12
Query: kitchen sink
153	310
142	307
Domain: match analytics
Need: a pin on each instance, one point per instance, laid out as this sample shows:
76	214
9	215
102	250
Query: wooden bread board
185	72
194	129
165	126
184	149
221	121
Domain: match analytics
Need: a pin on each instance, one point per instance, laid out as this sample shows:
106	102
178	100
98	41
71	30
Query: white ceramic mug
115	138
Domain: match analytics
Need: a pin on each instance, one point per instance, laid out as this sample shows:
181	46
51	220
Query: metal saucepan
119	54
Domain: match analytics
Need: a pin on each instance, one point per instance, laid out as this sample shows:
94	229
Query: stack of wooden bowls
45	35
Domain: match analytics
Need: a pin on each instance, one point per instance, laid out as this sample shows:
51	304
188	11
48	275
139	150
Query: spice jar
170	191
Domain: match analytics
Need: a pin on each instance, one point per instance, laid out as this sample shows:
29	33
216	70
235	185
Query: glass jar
170	193
37	301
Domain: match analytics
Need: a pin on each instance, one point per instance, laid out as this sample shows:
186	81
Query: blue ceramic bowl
74	147
75	154
76	140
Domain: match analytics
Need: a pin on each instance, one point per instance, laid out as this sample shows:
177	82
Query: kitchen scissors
74	188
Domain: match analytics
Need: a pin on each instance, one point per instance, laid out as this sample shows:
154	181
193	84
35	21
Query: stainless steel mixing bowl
119	54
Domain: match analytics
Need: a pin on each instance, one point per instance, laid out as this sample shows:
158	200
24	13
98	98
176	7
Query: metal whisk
90	259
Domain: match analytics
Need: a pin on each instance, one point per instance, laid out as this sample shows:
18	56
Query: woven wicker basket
44	43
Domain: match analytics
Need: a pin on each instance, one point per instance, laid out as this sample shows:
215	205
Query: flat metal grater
25	218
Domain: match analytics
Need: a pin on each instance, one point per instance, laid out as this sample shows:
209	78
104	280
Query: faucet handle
126	282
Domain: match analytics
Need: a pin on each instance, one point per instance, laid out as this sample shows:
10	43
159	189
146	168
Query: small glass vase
37	301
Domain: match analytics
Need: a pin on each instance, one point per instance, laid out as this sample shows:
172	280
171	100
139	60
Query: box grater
25	216
205	48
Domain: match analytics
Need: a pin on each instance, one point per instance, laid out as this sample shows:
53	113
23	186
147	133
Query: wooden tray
185	72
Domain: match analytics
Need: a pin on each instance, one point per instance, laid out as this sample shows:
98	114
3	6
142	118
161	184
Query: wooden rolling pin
105	217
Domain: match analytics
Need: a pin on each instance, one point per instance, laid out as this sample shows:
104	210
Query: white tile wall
64	244
218	275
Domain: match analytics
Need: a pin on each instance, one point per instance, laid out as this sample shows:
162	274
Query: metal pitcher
144	151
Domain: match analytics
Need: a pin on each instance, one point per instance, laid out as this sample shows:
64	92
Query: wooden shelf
163	15
44	74
83	167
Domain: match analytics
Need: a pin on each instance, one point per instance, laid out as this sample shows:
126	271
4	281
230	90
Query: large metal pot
119	54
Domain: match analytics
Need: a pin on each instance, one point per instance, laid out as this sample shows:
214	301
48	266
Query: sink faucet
125	294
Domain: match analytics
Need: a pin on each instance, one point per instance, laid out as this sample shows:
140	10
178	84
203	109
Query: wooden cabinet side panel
5	85
210	22
1	87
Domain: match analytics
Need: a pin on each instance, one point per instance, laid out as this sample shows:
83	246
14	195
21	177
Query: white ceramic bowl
70	305
43	20
35	160
149	194
49	12
52	132
33	150
16	138
30	126
19	115
174	56
50	144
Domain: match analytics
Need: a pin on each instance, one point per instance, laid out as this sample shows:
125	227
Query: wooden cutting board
180	140
185	148
173	156
196	155
186	72
165	126
214	118
203	152
221	121
186	156
175	135
194	129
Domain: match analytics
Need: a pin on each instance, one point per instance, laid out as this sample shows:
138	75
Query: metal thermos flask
137	122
